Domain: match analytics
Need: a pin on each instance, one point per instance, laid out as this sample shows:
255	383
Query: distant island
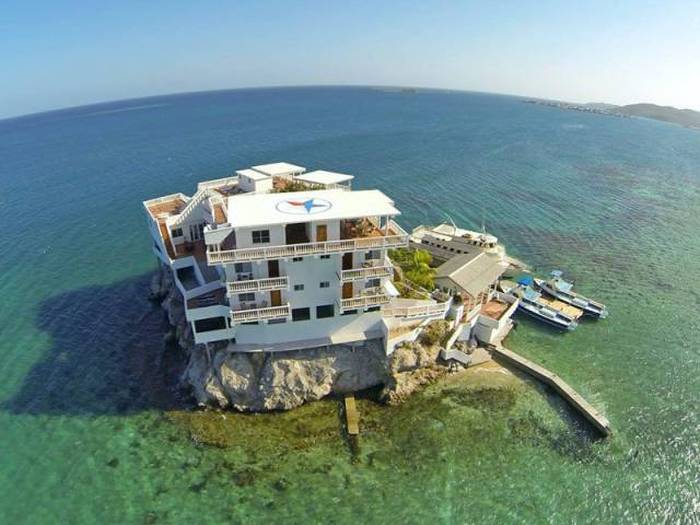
683	117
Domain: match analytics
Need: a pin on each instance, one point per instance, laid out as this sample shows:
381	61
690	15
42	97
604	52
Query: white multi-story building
267	269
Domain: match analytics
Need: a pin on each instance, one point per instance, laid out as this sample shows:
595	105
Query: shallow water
92	429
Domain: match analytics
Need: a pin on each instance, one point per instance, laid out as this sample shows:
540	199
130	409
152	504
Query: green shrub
415	265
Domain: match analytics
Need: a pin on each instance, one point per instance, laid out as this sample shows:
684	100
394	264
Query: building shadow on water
106	355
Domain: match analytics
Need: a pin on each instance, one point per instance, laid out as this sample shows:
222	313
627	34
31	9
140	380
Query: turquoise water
92	427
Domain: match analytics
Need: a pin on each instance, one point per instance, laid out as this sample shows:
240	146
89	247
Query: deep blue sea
93	428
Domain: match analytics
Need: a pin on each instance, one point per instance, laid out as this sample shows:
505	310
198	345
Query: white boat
563	291
444	241
531	304
551	311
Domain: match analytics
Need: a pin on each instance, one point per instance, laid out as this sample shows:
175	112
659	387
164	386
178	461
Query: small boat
563	291
554	313
531	304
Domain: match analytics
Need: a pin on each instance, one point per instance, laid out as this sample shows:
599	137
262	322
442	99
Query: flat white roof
306	206
252	174
324	177
279	168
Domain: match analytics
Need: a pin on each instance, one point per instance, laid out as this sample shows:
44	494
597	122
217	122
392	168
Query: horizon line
297	86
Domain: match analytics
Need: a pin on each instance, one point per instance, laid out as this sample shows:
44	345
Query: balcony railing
310	248
369	272
257	285
260	314
364	301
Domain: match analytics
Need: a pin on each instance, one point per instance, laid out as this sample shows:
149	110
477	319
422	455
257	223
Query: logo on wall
303	207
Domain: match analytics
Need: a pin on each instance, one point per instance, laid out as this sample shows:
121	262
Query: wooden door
347	290
276	298
273	268
347	261
321	233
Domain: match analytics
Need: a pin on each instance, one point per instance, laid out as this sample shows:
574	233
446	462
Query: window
246	297
196	231
243	267
349	312
374	254
176	232
298	287
297	259
325	284
209	324
325	257
301	314
372	283
261	236
277	321
324	311
372	309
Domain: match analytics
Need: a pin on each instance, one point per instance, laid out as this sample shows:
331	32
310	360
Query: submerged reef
263	381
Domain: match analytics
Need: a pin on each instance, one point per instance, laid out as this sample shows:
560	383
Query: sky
56	53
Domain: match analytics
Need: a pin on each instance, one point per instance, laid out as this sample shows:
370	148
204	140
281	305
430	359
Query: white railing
191	205
364	301
216	183
309	248
357	274
260	314
257	285
421	310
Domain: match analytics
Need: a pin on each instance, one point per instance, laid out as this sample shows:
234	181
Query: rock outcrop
260	381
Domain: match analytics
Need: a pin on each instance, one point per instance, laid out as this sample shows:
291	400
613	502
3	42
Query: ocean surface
94	430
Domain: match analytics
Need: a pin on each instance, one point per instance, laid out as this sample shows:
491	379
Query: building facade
266	269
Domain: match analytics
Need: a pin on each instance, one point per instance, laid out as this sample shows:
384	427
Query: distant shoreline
687	118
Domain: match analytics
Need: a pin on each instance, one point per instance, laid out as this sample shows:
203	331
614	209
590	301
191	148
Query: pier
594	417
352	418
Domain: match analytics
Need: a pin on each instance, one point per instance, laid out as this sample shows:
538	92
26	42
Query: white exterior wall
348	327
244	237
251	185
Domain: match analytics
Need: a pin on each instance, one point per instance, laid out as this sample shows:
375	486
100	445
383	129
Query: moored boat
563	291
553	313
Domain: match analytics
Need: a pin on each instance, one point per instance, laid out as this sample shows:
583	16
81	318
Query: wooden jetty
596	419
352	418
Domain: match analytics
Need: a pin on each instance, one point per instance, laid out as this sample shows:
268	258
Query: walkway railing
258	285
422	310
260	314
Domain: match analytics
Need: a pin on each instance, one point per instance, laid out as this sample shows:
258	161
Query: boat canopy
563	285
556	273
531	295
526	280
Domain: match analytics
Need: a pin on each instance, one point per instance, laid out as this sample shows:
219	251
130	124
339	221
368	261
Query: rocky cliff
261	381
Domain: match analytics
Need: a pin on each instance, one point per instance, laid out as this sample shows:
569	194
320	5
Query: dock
352	417
594	417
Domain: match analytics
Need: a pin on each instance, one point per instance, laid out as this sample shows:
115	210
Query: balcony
257	285
369	270
249	315
397	238
367	298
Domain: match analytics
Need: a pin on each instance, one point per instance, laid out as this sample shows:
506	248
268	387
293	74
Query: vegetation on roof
296	185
